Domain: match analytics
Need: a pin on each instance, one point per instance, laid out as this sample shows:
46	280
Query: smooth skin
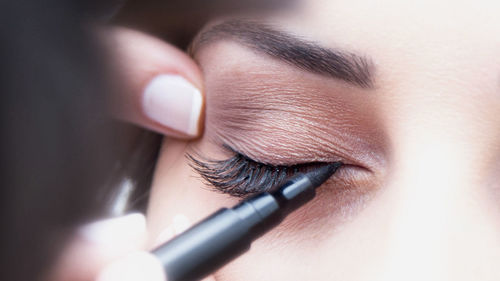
432	210
429	211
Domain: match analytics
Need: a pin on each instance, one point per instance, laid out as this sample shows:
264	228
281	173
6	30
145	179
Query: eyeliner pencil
228	233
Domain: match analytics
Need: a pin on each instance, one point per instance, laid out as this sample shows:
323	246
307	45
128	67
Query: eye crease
278	120
241	176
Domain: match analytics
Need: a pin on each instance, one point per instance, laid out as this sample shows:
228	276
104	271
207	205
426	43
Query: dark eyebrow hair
304	54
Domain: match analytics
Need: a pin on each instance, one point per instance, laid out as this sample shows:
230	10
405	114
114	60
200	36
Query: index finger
161	86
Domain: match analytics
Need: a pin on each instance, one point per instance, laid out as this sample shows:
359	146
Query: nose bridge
440	219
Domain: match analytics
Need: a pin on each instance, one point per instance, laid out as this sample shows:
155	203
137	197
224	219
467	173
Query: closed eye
241	176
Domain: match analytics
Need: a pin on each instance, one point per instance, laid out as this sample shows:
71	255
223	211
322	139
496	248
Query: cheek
305	245
317	249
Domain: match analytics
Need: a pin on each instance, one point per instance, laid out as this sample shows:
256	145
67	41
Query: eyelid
278	134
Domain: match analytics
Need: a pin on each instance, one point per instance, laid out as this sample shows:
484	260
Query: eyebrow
307	55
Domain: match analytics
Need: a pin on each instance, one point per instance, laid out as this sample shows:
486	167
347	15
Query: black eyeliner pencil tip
320	175
228	233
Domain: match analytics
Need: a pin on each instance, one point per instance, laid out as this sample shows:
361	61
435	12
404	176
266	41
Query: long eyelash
241	176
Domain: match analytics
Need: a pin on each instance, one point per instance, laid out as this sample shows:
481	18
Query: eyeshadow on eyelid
276	125
278	115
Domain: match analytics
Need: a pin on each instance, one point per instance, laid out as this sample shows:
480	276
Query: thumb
161	85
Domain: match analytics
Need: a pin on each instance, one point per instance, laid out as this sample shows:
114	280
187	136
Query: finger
162	86
97	244
139	266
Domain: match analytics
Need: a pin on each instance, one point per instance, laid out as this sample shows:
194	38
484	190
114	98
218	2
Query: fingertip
115	231
134	267
175	103
98	243
161	86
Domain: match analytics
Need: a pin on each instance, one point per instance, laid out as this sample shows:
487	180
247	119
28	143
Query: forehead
407	36
419	47
403	19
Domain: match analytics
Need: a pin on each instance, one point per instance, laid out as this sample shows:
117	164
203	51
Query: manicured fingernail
134	267
115	231
173	102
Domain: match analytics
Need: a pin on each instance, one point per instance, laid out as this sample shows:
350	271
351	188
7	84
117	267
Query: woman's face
405	93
